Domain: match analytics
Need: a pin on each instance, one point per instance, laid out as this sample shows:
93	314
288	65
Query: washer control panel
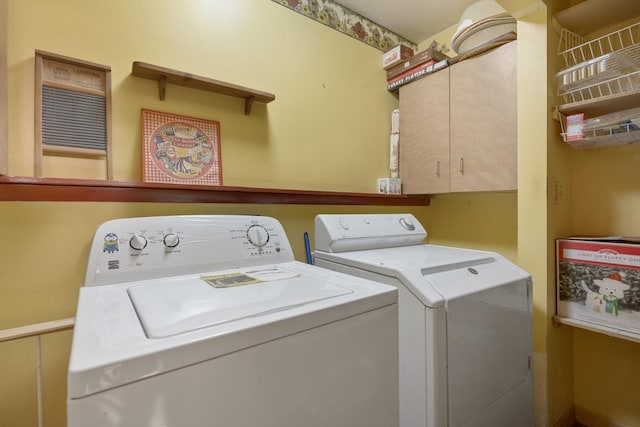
143	248
258	235
342	233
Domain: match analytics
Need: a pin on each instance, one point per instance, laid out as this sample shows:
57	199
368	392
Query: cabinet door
483	122
424	135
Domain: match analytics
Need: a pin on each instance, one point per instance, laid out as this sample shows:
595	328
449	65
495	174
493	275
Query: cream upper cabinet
483	119
458	130
424	135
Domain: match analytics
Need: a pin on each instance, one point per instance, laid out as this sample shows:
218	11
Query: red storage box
598	281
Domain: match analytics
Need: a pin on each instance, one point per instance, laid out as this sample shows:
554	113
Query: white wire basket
605	137
576	49
622	83
618	128
606	66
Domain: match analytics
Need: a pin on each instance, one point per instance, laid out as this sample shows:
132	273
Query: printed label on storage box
599	281
574	127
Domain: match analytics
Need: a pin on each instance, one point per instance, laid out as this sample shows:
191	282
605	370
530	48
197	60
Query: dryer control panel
151	247
343	233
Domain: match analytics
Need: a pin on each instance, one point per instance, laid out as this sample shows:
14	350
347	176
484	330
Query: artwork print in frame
180	150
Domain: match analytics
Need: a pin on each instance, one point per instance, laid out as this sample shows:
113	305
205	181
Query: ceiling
415	20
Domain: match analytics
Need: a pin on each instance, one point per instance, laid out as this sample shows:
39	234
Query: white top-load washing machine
465	320
191	321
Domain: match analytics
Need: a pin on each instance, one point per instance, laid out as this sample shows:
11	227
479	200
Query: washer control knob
171	240
407	224
343	224
138	242
257	235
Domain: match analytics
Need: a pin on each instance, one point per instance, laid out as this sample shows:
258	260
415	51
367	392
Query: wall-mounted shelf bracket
162	87
248	103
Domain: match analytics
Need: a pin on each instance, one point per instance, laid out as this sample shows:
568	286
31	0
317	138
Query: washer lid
171	307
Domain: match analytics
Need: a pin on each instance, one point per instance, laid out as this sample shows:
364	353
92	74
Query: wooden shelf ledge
66	190
166	75
602	105
593	327
591	15
36	329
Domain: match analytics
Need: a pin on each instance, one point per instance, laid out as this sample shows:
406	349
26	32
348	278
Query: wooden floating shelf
166	75
66	190
592	15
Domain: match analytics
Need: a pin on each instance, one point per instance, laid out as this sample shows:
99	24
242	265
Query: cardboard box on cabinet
598	281
396	55
431	54
389	186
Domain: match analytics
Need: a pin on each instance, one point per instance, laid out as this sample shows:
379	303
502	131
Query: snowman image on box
610	292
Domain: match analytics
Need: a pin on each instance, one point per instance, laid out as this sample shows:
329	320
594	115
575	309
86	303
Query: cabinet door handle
461	165
438	168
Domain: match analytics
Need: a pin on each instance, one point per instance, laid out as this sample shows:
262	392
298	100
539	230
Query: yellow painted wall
560	194
532	198
486	221
601	195
607	377
327	130
523	214
44	267
560	369
605	201
596	194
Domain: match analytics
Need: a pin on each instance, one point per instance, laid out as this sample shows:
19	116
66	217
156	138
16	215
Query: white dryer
465	320
208	321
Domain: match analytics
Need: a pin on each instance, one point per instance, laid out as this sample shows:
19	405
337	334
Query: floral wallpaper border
338	17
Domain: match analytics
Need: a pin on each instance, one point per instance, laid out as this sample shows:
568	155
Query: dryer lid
175	306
